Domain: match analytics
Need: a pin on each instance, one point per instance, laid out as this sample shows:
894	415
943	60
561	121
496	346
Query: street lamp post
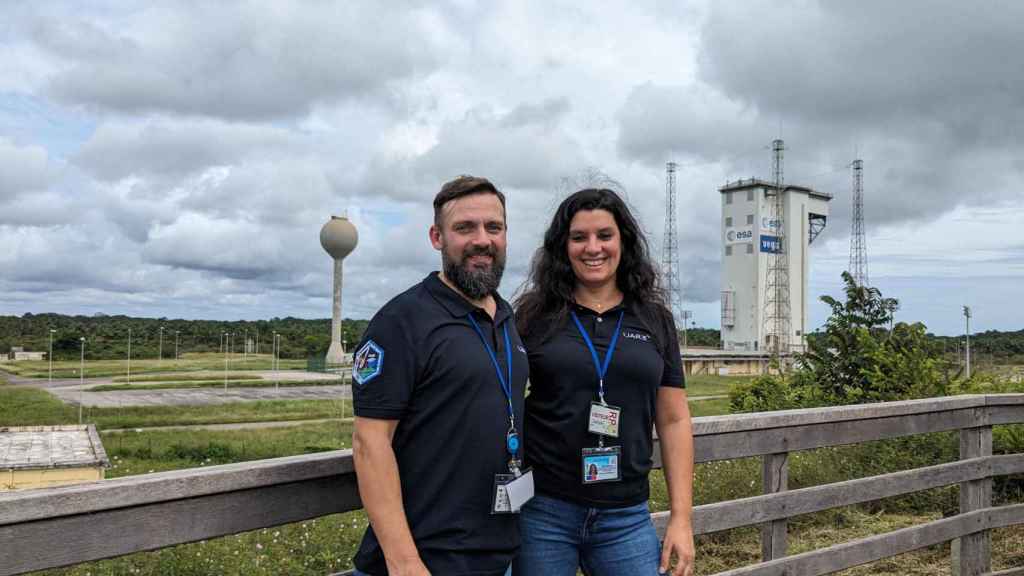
160	359
245	345
686	316
129	356
50	355
225	337
176	332
967	339
81	380
273	359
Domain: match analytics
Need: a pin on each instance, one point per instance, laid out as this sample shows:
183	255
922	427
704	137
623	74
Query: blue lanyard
512	438
602	369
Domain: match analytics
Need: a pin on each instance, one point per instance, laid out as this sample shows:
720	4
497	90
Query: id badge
602	464
604	419
500	503
520	490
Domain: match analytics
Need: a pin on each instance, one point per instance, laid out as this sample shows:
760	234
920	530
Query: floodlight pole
81	380
160	358
176	332
50	355
225	337
129	356
967	338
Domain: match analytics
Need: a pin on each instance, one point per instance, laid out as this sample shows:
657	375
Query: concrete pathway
197	396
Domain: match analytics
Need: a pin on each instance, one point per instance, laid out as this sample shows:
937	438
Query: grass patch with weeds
712	384
24	406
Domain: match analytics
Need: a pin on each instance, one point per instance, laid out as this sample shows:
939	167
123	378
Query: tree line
107	336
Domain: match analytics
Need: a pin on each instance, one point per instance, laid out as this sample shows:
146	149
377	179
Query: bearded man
438	386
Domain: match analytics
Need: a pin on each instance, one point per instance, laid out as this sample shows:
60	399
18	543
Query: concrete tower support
339	238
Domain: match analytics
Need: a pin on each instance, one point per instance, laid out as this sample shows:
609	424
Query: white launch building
750	237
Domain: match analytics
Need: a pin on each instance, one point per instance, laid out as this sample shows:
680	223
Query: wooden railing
62	526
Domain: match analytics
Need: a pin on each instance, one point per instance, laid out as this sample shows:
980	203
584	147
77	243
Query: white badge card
520	490
601	464
604	419
500	503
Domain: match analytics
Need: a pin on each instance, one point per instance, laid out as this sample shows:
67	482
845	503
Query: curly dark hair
549	288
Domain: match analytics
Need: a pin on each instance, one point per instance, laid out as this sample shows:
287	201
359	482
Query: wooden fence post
775	476
972	554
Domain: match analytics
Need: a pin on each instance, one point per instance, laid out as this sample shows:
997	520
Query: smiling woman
598	384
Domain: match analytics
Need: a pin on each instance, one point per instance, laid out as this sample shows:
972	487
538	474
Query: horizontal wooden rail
731	514
56	527
857	552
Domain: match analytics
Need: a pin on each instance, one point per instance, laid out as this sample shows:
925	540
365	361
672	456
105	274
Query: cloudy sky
179	160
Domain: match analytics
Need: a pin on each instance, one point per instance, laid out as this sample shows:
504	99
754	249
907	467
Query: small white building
749	238
19	353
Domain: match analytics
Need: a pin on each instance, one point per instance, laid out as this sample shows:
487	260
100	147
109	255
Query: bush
856	360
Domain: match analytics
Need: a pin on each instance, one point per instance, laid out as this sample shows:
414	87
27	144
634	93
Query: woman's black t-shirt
564	382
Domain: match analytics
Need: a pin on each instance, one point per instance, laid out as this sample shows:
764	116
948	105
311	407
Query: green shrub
856	360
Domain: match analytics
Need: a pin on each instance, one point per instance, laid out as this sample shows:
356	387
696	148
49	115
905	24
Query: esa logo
633	335
740	235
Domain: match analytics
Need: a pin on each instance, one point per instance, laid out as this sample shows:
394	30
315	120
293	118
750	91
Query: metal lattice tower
858	246
777	312
670	246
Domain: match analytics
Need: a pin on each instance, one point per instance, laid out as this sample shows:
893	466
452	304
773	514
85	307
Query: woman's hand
678	544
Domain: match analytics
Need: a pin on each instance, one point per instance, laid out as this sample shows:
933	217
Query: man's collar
456	303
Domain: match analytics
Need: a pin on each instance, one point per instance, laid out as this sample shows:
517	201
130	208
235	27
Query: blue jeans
559	536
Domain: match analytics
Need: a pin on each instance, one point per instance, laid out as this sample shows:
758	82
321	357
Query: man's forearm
381	491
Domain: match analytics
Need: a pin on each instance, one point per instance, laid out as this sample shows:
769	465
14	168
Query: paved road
193	396
70	391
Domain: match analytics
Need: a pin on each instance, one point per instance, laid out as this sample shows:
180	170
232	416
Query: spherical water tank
339	237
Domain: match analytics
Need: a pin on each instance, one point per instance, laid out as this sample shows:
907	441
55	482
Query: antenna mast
858	246
670	246
777	310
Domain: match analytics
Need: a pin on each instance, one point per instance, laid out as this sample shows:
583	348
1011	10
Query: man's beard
475	283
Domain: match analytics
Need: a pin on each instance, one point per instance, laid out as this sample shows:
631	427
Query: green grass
158	450
712	385
713	407
64	369
24	406
33	407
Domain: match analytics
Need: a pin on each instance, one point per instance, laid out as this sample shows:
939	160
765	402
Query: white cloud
180	159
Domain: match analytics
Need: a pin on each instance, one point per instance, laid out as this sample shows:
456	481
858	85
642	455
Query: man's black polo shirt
563	383
429	370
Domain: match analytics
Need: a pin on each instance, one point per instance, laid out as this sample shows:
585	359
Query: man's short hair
464	186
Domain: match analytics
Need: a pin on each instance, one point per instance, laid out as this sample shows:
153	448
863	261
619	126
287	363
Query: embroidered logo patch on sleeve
368	362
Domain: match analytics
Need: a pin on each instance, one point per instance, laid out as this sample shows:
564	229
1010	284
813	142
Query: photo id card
500	503
520	490
602	464
604	419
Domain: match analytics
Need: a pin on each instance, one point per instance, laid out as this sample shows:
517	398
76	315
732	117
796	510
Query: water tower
339	239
